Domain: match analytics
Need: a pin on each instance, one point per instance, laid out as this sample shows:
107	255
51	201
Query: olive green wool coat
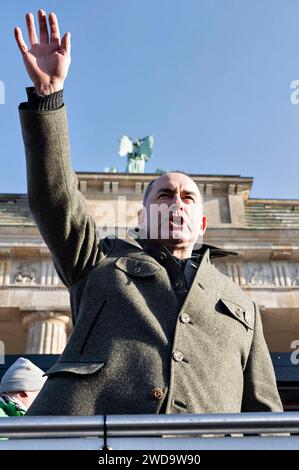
131	349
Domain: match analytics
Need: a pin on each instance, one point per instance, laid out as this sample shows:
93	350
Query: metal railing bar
149	425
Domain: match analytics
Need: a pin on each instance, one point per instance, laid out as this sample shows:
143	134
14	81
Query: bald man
157	328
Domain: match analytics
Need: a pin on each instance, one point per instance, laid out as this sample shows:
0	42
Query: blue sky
210	79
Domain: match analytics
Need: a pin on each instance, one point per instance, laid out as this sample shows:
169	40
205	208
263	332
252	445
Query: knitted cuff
44	103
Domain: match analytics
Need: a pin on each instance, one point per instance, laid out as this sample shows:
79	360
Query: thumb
66	43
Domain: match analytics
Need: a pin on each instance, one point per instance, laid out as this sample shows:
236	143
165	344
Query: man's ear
141	216
203	227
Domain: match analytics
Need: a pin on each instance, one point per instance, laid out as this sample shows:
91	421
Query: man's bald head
155	180
173	212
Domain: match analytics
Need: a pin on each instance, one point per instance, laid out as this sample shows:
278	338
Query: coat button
238	311
178	356
184	317
178	283
163	255
137	269
157	393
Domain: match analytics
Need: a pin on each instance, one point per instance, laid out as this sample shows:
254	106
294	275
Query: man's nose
178	203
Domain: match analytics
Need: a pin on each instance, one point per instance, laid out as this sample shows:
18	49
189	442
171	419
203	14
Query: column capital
52	316
47	330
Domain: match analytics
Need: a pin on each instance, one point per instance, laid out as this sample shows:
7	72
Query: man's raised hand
47	61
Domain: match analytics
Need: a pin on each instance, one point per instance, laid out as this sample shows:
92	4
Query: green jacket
9	408
132	347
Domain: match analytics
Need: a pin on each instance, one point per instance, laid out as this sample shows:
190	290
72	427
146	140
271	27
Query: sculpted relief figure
260	274
25	275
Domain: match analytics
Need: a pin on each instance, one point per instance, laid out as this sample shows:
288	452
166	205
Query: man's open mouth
176	220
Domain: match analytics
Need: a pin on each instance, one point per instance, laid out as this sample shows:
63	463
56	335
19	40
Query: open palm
47	62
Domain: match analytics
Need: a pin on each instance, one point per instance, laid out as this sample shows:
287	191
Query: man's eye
189	198
163	195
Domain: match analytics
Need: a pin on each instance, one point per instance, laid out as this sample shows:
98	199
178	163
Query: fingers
54	29
31	29
44	34
43	28
20	41
66	43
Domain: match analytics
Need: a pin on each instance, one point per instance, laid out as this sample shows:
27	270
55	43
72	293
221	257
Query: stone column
47	332
5	265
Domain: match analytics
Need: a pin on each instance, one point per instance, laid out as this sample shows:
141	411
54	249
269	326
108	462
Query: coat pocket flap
80	368
243	315
137	267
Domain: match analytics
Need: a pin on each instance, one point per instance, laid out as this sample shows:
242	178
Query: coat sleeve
58	207
260	390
